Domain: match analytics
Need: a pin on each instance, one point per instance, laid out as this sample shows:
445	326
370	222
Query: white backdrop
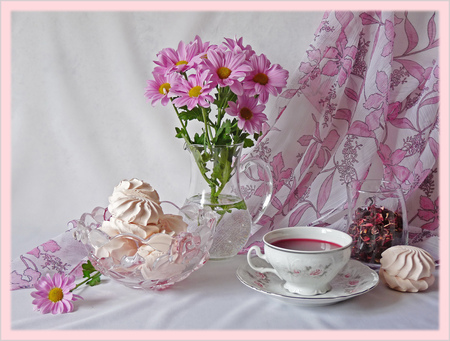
80	121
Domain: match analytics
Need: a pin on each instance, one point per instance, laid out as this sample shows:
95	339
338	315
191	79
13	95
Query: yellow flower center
164	89
261	78
246	114
195	91
223	72
181	62
55	295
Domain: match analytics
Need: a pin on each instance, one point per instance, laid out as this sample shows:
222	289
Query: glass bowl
170	259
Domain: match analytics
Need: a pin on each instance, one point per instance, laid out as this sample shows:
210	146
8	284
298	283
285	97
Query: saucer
354	280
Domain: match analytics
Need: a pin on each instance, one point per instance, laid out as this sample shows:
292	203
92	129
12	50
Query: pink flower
159	89
201	49
429	212
53	294
237	46
265	78
249	113
227	68
180	60
194	91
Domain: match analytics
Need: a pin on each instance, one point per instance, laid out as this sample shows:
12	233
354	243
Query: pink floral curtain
364	103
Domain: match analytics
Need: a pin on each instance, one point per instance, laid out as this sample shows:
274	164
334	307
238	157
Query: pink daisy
180	60
226	69
195	90
265	79
159	89
53	294
237	46
249	112
201	49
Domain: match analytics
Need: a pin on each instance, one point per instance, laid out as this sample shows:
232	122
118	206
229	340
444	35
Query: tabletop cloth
212	298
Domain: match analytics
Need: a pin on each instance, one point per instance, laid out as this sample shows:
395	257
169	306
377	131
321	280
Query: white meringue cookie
407	268
138	188
134	209
116	226
172	224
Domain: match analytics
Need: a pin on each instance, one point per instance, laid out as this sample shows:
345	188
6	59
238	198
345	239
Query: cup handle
263	257
265	174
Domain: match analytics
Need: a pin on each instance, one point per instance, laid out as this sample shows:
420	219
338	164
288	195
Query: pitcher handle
267	187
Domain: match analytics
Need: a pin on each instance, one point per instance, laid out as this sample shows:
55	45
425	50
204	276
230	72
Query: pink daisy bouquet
225	87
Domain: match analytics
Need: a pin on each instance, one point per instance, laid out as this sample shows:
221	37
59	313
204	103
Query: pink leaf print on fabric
324	192
35	252
367	19
351	94
429	212
327	146
434	146
23	281
389	32
277	203
391	162
382	82
402	123
429	101
359	128
344	18
373	119
411	34
374	101
309	156
297	214
297	192
343	114
413	68
51	246
394	110
279	173
431	29
341	59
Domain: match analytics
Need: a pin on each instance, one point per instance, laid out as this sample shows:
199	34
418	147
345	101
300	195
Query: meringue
407	268
135	201
136	210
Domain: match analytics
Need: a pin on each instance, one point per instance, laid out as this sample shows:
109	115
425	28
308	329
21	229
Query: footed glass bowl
154	263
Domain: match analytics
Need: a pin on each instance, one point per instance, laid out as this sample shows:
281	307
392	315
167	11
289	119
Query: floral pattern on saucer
354	280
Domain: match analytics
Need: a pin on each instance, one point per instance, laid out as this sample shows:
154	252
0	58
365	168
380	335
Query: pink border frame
7	7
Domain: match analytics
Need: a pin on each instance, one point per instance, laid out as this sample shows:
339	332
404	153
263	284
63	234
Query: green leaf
88	268
180	132
248	143
95	280
194	114
199	139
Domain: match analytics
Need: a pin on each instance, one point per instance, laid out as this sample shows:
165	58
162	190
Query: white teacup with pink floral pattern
306	258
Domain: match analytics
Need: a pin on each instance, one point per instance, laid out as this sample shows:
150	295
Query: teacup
306	258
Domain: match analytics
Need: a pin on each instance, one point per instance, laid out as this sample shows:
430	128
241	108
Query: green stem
183	124
86	280
208	132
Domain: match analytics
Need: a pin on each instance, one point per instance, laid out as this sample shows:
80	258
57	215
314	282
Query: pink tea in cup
303	244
